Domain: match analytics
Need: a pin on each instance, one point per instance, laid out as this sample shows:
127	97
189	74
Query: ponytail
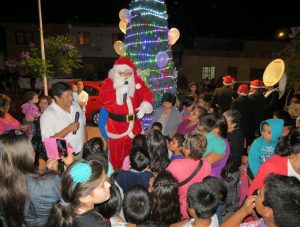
62	214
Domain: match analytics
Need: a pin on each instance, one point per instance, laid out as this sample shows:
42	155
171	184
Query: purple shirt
217	167
183	128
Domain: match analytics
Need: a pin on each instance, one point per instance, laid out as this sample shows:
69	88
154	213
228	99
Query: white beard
118	83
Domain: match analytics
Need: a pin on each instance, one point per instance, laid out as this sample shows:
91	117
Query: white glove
124	89
145	107
141	112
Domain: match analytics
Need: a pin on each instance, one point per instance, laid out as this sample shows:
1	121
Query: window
208	72
232	71
23	38
84	38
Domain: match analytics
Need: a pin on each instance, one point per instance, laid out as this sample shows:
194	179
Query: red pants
118	150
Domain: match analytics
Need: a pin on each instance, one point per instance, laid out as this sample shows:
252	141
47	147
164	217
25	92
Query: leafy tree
61	58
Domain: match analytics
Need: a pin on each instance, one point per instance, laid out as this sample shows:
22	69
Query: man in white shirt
58	120
82	96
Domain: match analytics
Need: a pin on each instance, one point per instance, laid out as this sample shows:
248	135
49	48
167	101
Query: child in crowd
165	199
278	203
30	110
137	205
138	141
168	141
137	174
83	184
263	147
75	94
156	126
187	104
111	209
93	149
176	146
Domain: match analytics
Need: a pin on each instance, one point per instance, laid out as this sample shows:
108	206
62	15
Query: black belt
122	117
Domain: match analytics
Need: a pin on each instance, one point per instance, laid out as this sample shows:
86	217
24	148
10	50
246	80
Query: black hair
202	199
93	149
297	96
221	124
168	97
157	124
165	199
59	88
187	101
78	81
16	163
179	138
218	187
153	224
63	213
234	116
139	158
137	205
208	122
282	194
158	151
284	115
29	95
112	206
139	141
289	144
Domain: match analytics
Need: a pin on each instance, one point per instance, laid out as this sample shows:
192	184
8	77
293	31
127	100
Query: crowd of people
204	157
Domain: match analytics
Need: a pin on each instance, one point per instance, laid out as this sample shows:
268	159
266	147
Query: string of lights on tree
148	42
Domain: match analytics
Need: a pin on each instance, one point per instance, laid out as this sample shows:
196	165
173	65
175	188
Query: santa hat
228	80
124	63
243	90
256	84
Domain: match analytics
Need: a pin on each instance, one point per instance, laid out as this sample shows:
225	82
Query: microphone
76	120
125	94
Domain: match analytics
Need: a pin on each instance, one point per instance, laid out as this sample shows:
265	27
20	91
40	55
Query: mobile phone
62	147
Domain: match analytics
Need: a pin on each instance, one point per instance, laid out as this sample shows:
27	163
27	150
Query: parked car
93	106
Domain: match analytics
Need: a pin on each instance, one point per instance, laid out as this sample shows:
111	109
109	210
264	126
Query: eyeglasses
125	74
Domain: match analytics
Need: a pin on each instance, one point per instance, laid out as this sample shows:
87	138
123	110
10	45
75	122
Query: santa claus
127	99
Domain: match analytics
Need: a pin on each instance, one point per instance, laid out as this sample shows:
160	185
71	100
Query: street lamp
43	49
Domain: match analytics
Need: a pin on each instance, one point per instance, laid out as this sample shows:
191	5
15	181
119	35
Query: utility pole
43	49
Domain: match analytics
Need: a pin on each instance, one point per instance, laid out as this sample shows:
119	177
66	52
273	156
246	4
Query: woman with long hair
26	197
158	151
165	199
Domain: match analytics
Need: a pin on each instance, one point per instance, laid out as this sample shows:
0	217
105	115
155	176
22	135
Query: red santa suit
126	105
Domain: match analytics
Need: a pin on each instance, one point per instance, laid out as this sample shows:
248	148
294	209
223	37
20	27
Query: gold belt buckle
129	117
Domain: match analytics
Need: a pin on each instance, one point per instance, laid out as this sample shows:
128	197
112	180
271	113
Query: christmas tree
148	43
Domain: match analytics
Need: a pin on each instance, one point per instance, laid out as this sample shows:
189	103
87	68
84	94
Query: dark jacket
257	111
244	105
272	103
223	97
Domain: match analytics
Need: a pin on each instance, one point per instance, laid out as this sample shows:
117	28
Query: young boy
263	147
278	202
156	126
202	202
137	205
137	174
176	146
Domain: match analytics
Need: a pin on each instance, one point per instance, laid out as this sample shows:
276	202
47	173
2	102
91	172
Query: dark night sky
234	19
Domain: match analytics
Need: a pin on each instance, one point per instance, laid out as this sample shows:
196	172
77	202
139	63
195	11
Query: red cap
124	63
256	84
243	90
228	80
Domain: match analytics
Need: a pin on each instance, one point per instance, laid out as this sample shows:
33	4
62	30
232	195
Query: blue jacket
262	150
